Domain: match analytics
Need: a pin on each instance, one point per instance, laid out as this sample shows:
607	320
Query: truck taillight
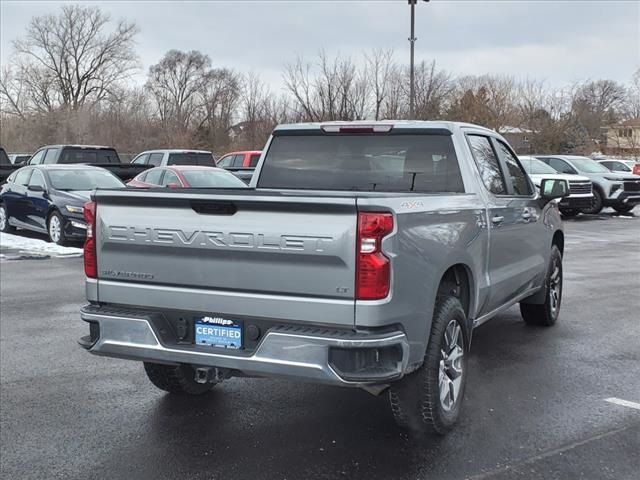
90	255
373	274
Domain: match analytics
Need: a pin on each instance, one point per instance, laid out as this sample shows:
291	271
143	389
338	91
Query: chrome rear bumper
284	352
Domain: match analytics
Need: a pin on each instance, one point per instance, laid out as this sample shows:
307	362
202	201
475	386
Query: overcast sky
560	41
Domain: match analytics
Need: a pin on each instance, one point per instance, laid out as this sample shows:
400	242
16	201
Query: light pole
412	41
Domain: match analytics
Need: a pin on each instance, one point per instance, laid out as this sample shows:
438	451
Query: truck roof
64	166
97	147
394	123
175	150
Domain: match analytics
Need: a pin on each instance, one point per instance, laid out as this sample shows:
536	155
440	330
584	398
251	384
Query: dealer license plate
218	332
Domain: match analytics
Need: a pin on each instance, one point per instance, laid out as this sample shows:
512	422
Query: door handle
498	219
526	215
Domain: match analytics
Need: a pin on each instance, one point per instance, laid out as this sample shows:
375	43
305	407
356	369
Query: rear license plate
218	332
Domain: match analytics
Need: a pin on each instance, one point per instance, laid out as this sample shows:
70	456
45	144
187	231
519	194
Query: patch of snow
34	245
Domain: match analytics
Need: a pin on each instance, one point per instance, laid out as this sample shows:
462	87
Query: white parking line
624	403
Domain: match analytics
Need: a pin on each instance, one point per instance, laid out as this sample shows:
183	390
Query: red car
247	159
186	176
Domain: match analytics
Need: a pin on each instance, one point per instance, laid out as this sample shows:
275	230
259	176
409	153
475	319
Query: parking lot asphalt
535	403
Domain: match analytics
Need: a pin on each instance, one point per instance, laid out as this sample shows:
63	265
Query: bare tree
220	98
12	93
597	104
74	56
334	90
381	69
396	103
632	103
433	90
176	83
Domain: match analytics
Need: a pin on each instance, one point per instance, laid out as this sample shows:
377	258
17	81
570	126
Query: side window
170	177
225	161
22	177
487	164
37	158
154	176
238	161
51	155
141	160
253	160
561	166
155	159
620	167
519	181
37	180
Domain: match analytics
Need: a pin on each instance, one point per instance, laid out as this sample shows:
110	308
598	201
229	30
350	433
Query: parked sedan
624	166
50	199
187	176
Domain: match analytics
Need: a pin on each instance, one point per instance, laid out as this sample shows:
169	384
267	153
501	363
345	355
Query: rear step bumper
339	357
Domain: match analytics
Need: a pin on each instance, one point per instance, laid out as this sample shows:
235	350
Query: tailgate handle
213	207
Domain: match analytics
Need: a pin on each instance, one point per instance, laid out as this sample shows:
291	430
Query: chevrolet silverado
364	255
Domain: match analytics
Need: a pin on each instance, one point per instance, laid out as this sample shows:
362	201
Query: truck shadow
294	431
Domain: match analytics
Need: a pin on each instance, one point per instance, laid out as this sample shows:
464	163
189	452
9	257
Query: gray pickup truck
364	256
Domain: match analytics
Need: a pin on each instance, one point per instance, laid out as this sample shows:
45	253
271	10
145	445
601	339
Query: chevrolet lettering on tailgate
218	239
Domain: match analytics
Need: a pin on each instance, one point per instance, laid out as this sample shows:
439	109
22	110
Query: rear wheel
546	314
429	400
4	220
55	227
177	379
623	208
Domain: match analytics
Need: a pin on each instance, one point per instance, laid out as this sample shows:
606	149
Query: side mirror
552	188
35	188
173	185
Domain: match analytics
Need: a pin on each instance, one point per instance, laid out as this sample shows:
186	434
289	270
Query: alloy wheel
3	218
55	228
555	288
450	373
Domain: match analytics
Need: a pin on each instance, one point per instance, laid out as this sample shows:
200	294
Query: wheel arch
558	241
457	280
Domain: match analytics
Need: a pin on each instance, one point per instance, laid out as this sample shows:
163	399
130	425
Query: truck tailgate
247	245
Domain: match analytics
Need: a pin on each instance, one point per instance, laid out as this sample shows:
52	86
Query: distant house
238	129
518	138
623	138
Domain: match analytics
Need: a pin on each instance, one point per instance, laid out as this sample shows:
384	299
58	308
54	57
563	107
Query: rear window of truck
204	159
89	155
363	162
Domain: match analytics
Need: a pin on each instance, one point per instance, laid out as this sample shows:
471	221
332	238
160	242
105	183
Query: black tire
57	238
623	208
546	314
176	379
569	212
415	400
596	203
4	223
